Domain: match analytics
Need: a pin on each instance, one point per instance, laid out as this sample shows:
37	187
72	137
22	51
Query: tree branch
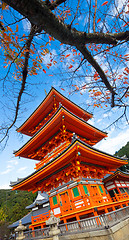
87	55
54	4
94	16
36	11
39	13
24	76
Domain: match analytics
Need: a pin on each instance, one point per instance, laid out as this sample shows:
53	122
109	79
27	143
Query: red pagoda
68	167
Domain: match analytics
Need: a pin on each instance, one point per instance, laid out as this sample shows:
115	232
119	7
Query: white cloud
21	169
26	25
9	169
114	143
119	6
13	162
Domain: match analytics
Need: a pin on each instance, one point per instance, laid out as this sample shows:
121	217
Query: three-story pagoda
68	167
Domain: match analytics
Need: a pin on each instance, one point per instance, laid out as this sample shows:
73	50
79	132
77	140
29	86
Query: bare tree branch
87	55
38	11
54	4
24	76
94	18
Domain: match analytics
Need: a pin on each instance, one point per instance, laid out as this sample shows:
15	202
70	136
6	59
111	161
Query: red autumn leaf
77	88
62	89
16	38
44	70
50	38
126	24
67	55
127	70
16	28
98	20
70	66
106	2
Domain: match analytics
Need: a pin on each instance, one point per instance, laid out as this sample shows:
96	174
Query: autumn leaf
46	50
9	57
105	3
98	20
44	70
126	24
67	55
16	28
16	38
4	5
97	93
70	66
77	88
127	70
62	89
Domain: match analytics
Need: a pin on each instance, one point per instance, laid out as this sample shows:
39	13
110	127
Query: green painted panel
85	190
100	188
54	200
75	192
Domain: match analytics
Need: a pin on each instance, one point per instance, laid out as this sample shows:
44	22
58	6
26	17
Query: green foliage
3	215
12	204
124	152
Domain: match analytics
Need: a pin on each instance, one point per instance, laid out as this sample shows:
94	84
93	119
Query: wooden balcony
85	205
102	222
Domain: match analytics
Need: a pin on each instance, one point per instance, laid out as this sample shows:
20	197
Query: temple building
69	169
117	186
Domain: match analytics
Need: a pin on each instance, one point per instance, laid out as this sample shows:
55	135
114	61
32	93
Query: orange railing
40	218
84	203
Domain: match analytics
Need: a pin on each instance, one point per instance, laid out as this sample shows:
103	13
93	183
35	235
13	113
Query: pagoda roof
40	199
46	107
117	175
51	128
87	155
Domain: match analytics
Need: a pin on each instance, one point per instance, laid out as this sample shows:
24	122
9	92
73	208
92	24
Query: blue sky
12	167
